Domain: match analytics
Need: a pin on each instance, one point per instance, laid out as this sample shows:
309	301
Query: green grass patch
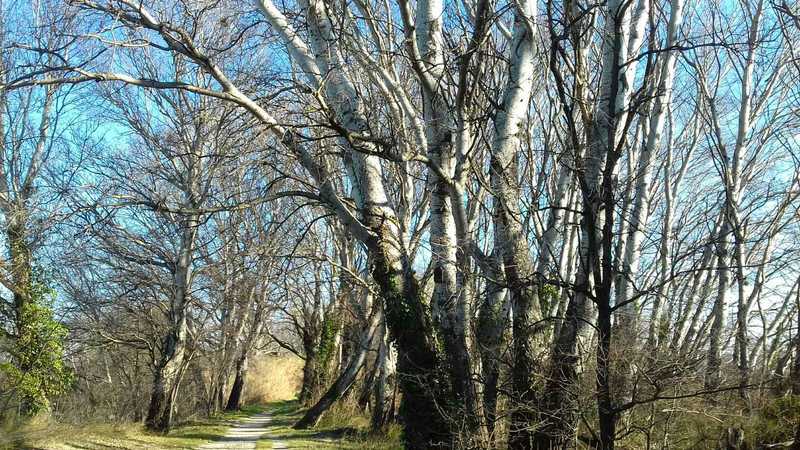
47	435
343	427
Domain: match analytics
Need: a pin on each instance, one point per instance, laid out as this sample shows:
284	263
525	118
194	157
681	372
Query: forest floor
256	427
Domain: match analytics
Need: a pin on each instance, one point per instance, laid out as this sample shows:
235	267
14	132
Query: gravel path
244	435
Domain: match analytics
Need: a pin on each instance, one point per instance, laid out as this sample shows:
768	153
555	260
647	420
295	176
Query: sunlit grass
122	436
47	435
343	427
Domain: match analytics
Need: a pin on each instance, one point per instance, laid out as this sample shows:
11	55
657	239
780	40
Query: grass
278	381
53	436
341	428
278	378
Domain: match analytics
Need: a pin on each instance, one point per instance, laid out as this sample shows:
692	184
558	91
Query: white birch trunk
510	237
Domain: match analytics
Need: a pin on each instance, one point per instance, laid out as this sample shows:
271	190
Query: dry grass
273	378
273	382
55	436
342	428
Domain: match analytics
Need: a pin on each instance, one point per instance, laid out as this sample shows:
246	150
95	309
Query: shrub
36	371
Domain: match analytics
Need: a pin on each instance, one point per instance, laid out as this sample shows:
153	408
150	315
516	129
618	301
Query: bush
36	371
776	421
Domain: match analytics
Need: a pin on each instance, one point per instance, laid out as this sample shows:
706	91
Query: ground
337	432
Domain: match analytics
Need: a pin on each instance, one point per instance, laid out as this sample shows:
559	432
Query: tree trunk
511	241
21	272
492	320
235	397
417	359
742	307
559	400
714	359
346	379
159	413
377	226
230	328
795	370
448	304
606	413
406	315
702	280
311	378
380	394
169	369
626	327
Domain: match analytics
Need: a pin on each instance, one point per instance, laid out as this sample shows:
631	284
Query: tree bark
492	321
346	379
448	302
159	413
510	236
380	411
169	368
20	256
237	389
714	358
417	359
310	381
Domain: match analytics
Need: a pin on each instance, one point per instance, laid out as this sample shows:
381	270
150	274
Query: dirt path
244	435
272	429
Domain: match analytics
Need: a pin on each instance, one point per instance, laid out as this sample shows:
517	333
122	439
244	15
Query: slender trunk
253	333
795	372
567	269
702	281
606	401
346	379
492	320
511	241
742	340
310	384
657	331
769	331
235	397
379	390
218	396
714	359
228	329
734	184
555	231
606	414
168	371
795	369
